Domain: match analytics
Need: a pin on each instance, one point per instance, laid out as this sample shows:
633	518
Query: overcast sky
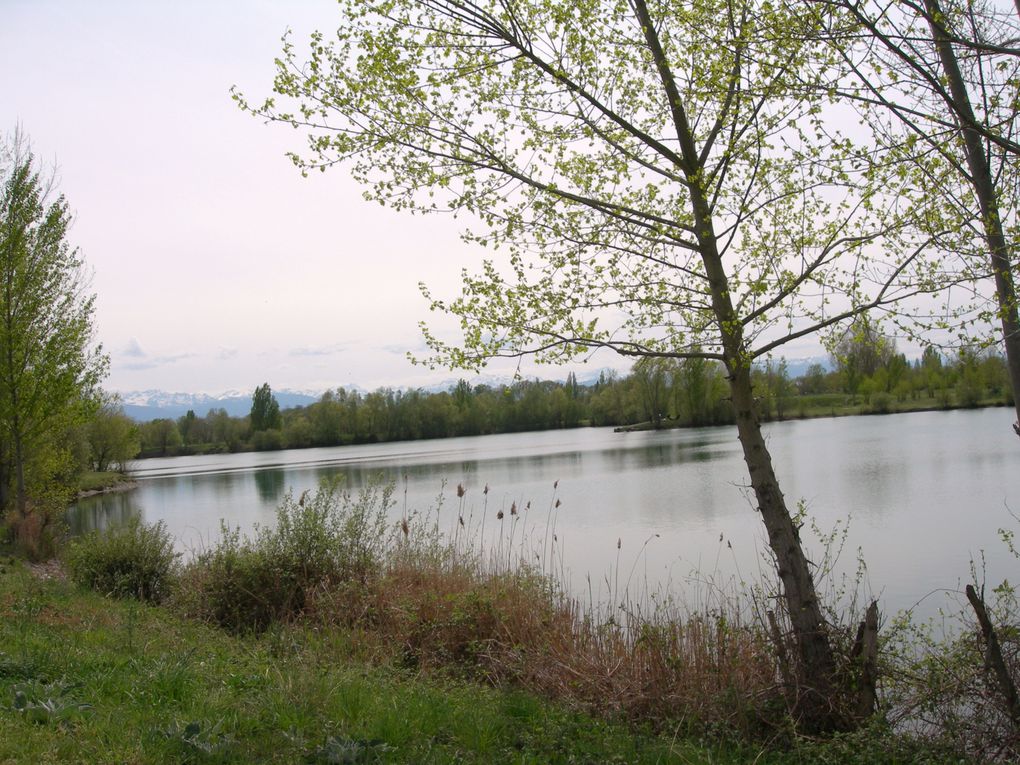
216	265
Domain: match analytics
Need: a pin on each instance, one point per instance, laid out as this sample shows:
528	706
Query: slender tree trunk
994	660
5	480
20	493
816	664
983	183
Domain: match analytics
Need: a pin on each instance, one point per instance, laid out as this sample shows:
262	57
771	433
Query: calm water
924	494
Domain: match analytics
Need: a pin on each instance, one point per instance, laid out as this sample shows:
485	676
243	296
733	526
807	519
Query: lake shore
93	484
850	410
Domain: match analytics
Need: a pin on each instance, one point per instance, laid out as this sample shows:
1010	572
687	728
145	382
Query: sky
216	265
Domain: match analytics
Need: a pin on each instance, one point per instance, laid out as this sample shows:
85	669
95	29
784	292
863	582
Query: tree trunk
816	665
993	658
865	654
815	662
984	188
20	493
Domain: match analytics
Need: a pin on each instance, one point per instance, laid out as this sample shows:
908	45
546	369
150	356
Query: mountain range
149	405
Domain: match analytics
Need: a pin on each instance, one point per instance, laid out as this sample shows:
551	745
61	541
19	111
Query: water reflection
103	512
933	485
270	483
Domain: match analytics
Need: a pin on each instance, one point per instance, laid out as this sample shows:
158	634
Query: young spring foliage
607	164
940	83
49	368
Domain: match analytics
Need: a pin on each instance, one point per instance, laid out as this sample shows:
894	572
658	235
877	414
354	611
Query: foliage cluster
49	368
329	539
132	560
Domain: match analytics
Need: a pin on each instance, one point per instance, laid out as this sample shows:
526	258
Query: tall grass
440	600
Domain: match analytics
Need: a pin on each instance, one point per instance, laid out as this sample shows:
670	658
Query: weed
329	539
192	742
38	530
347	751
45	703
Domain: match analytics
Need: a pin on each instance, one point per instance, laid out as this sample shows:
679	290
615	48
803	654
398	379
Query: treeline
657	393
350	417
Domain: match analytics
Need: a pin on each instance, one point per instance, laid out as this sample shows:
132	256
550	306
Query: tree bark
865	653
815	661
994	660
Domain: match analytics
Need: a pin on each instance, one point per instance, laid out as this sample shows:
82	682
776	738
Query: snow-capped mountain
148	405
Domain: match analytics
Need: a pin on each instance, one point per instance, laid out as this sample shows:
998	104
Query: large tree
113	437
656	178
49	366
941	81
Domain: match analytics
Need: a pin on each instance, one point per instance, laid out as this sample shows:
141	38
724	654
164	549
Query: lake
924	493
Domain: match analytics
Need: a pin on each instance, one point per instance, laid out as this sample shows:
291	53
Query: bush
37	532
328	539
881	403
133	560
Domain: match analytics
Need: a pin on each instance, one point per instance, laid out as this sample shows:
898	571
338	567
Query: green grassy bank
334	637
95	482
88	679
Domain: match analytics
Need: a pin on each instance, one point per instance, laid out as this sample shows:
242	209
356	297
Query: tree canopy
49	367
265	410
939	81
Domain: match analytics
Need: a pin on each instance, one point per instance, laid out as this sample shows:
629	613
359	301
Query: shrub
36	532
881	403
133	560
328	539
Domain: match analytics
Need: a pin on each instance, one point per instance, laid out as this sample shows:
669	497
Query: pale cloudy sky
217	266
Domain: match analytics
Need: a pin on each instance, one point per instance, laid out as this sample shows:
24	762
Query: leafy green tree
649	169
265	411
653	380
775	387
227	432
112	436
814	380
860	352
193	429
49	367
160	437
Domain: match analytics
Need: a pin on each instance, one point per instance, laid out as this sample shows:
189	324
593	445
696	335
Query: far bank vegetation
866	376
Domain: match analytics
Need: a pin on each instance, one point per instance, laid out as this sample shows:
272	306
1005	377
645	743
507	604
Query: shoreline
126	485
672	425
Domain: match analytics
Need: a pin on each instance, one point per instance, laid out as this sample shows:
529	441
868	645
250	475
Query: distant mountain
584	377
149	405
155	404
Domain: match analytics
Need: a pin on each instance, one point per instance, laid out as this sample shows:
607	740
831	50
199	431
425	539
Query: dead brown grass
512	625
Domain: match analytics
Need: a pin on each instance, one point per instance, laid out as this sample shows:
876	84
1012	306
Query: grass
93	481
121	681
334	638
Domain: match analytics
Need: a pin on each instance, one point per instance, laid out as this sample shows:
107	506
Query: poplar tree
654	178
49	367
265	410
